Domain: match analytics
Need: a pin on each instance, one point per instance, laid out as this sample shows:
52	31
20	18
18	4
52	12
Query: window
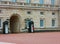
41	23
5	2
41	13
26	4
0	22
53	22
53	13
28	12
52	2
28	1
41	1
21	3
13	0
27	23
0	11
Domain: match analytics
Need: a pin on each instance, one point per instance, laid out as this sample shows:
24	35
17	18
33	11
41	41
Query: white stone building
45	14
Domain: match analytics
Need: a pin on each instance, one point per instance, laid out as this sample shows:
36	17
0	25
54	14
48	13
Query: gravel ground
31	38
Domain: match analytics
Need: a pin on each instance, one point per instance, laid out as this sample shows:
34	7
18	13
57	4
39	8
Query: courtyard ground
31	38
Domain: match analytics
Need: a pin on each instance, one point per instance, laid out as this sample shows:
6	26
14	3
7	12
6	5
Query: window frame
53	13
41	24
41	13
0	22
0	11
14	0
27	23
28	1
52	2
53	22
28	12
41	1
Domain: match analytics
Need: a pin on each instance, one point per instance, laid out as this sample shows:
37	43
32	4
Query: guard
5	27
31	27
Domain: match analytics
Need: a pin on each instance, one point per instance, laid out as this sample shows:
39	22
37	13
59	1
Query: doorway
14	24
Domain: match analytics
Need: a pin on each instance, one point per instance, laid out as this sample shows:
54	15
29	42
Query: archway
14	24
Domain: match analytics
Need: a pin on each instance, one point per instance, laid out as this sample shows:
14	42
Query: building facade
44	13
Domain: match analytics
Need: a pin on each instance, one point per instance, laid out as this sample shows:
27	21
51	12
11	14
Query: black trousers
29	30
